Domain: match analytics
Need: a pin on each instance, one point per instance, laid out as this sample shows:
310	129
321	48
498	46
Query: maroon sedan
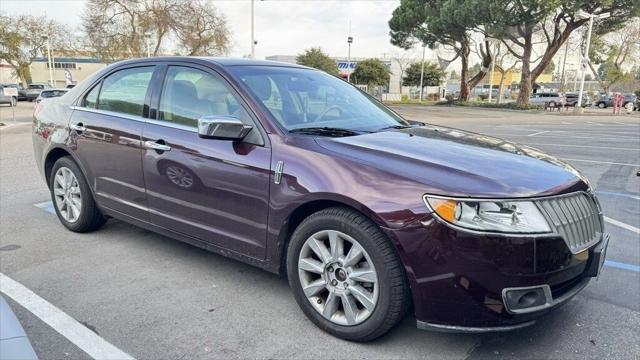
295	171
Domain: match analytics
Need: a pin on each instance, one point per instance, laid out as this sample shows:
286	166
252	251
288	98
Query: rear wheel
346	276
72	198
602	105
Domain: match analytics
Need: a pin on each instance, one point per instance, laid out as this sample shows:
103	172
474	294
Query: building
79	69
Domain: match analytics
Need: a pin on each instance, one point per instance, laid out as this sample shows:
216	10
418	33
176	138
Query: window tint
91	100
188	94
124	91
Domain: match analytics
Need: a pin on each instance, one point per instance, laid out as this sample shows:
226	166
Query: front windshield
303	98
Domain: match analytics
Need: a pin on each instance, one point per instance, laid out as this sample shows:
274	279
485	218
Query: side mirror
222	128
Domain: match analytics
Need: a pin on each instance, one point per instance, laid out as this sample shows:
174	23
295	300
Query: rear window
36	87
52	93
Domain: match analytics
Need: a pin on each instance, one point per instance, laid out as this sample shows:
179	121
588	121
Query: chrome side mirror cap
222	128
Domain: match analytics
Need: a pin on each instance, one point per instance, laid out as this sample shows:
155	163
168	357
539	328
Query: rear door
215	191
106	136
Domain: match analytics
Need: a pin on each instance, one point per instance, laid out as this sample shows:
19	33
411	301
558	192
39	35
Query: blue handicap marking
46	206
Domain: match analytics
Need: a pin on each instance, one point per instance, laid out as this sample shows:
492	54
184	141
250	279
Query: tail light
38	108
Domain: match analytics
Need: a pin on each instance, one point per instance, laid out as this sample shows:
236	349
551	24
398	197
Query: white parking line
538	133
602	162
622	225
78	334
587	146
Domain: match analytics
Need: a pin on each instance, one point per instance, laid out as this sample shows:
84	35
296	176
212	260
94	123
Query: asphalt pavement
156	298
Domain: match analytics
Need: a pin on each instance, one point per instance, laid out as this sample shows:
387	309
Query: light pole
491	40
147	38
584	61
349	41
424	47
49	62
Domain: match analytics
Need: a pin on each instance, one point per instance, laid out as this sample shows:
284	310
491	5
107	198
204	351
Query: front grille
575	217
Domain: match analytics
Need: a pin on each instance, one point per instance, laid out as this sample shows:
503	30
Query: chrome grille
575	217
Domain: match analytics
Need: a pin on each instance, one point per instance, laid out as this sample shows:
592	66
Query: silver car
7	99
50	93
550	98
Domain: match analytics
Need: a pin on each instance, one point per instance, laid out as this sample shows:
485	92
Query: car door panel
213	190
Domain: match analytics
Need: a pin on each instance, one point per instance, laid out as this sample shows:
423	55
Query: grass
509	106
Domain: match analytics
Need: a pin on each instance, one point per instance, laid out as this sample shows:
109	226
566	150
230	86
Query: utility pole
349	41
584	60
424	48
49	61
564	64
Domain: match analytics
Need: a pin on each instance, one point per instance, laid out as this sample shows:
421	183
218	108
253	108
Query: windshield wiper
395	127
327	131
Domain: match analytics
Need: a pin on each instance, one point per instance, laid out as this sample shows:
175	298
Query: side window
91	99
188	94
124	91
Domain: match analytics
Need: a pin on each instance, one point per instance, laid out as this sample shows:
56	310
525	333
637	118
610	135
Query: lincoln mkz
295	171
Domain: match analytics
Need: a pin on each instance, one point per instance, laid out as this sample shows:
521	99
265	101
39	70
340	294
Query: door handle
153	145
79	128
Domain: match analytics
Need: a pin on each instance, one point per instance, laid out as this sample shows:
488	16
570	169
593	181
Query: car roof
220	61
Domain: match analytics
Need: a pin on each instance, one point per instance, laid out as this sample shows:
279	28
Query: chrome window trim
136	118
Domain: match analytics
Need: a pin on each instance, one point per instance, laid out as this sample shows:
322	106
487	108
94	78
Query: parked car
34	90
50	93
550	98
297	172
22	93
7	99
607	101
572	99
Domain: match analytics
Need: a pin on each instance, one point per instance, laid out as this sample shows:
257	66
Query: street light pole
349	41
253	40
424	47
584	60
147	37
49	62
493	68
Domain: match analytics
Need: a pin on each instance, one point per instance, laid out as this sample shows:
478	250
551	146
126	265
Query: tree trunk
486	62
464	72
526	79
501	87
550	52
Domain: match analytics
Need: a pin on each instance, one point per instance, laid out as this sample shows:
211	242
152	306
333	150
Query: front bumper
458	279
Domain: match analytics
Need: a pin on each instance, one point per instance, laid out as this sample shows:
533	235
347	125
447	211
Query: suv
607	101
572	99
300	173
34	90
551	98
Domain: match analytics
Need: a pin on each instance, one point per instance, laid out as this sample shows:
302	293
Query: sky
283	27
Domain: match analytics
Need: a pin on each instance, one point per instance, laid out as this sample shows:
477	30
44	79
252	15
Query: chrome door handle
78	127
152	145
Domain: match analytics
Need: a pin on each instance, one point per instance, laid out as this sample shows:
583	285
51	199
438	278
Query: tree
612	51
403	60
22	39
441	22
530	26
371	72
117	29
433	75
315	58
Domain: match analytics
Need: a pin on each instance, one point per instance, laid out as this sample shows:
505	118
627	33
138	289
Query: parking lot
156	298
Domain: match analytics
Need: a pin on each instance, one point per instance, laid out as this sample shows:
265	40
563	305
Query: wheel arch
52	156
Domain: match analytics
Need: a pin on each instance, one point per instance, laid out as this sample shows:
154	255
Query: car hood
458	163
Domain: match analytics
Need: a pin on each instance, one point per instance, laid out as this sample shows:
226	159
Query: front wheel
602	105
72	197
346	276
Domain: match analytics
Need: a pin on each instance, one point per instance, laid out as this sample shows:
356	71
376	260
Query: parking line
613	193
622	225
85	339
46	206
538	133
619	265
586	146
602	162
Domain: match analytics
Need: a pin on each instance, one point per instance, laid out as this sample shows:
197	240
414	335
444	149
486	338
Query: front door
106	130
213	190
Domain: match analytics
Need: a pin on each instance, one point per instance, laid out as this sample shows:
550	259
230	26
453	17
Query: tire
87	217
602	105
552	104
389	291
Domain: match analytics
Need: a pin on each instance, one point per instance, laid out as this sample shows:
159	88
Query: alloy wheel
338	277
68	197
179	176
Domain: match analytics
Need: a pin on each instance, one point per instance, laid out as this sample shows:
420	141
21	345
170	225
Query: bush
511	106
404	98
483	97
433	97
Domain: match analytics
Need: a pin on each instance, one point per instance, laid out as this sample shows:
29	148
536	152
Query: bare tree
505	63
117	29
403	59
23	38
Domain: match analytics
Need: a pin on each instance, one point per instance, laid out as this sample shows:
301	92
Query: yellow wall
40	72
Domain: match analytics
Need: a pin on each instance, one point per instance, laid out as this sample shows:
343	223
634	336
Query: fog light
526	299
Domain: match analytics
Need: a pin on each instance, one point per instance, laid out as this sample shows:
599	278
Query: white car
49	93
551	98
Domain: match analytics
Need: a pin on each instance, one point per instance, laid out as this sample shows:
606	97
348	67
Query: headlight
506	216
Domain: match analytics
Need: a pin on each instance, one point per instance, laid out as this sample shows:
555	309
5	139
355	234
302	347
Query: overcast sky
283	27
